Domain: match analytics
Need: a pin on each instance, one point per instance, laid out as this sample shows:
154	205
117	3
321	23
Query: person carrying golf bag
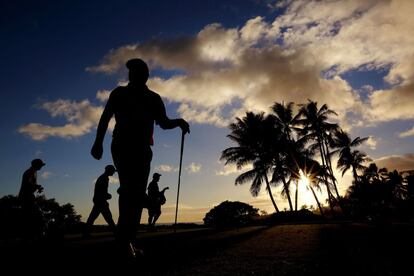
135	108
156	198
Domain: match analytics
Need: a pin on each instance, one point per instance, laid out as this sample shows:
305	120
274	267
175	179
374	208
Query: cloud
261	62
165	168
232	169
372	142
396	162
359	35
407	133
81	117
227	71
103	95
193	168
46	174
392	104
222	72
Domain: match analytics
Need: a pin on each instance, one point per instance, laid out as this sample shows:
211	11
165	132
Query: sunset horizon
62	60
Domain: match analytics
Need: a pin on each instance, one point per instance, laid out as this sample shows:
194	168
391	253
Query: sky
211	61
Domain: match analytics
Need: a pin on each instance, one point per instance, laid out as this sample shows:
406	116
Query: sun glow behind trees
305	195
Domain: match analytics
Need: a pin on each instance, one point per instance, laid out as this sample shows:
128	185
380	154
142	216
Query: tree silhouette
344	147
51	220
380	194
230	213
355	160
254	135
316	128
286	145
286	122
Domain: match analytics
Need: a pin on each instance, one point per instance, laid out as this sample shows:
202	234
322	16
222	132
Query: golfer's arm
103	126
162	119
167	123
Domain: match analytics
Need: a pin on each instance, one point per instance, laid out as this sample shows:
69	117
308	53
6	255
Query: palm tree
354	160
257	175
344	146
254	135
283	115
280	175
314	183
315	125
395	184
286	123
372	173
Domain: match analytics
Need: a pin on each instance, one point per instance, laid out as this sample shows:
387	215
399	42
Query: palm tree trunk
328	155
296	195
328	190
356	177
317	201
270	194
338	197
287	193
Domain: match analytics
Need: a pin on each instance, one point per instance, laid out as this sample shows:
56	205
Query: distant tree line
285	145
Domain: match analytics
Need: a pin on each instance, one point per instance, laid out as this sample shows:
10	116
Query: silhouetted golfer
27	198
155	200
100	201
136	108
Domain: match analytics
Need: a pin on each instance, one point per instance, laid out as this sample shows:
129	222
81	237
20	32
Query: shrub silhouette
52	221
230	213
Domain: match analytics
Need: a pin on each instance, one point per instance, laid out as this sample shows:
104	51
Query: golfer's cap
136	64
38	162
156	174
110	168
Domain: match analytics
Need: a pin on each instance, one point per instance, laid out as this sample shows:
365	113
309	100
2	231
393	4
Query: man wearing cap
100	201
27	195
155	200
135	108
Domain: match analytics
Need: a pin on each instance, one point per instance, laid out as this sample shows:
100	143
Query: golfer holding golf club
136	108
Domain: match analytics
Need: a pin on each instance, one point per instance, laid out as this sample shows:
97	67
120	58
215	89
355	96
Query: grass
289	249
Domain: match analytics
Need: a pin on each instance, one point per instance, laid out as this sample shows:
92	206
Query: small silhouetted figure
136	108
155	200
31	213
100	201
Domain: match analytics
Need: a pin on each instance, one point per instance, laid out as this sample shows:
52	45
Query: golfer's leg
138	200
149	217
144	165
91	219
93	215
126	213
106	213
130	196
133	164
156	217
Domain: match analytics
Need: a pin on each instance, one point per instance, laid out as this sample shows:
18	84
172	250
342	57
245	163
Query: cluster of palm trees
291	142
382	193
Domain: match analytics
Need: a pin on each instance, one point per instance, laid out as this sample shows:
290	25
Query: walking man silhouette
156	198
31	214
136	108
100	201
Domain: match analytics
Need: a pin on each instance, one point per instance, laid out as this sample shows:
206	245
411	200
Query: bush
52	220
231	214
